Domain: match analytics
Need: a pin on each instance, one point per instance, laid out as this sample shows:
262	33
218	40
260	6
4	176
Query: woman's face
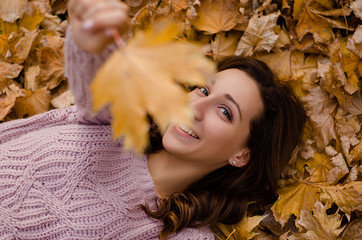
223	113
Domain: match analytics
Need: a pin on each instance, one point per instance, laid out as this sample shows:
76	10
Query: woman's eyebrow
231	99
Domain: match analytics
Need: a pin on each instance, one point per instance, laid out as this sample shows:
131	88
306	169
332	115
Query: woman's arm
88	44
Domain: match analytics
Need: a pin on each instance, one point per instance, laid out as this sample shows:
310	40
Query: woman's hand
93	21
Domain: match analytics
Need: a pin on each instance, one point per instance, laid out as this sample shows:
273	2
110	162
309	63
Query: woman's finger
101	21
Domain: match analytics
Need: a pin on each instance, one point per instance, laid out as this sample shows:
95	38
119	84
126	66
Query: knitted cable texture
63	177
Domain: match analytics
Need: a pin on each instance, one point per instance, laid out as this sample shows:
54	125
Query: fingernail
88	24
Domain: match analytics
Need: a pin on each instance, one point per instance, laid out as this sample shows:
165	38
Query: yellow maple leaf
240	231
217	15
292	199
319	225
347	197
259	36
140	80
318	168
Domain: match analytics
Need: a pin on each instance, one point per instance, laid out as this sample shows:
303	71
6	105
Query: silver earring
234	162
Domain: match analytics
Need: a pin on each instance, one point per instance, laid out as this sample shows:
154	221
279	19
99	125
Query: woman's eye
226	113
204	91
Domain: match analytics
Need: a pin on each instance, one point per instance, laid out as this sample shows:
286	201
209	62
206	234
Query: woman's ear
241	158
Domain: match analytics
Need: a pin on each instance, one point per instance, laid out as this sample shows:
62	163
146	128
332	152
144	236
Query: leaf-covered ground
314	46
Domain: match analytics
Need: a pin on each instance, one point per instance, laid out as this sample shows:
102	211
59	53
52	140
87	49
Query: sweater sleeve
80	68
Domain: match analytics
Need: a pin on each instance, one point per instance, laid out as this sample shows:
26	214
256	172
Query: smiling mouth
188	131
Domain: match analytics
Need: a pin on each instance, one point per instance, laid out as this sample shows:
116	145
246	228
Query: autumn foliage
314	46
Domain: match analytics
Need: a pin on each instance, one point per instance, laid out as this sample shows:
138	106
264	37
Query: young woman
62	176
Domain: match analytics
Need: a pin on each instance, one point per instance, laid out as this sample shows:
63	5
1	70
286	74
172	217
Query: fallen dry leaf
243	229
347	197
320	108
292	199
11	10
8	98
319	225
353	231
9	70
216	15
32	103
140	80
224	45
259	36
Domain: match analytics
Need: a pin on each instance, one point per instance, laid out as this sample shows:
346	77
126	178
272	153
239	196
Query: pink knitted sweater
63	177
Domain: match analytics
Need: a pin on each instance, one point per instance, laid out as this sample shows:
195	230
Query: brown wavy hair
228	193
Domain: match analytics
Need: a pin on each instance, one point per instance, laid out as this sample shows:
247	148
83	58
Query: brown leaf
259	36
9	70
59	6
354	43
350	63
224	45
320	108
356	153
321	27
24	46
8	98
354	230
179	5
347	197
216	15
11	10
62	97
32	103
319	225
356	6
339	171
308	45
52	63
31	81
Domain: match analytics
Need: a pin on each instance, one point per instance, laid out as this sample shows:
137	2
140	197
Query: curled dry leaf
340	169
11	10
140	80
320	108
32	103
321	27
8	98
9	70
319	225
356	6
347	197
354	43
259	36
353	231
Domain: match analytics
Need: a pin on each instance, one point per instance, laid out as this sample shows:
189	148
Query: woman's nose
198	106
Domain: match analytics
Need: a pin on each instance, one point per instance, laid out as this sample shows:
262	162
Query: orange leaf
217	15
